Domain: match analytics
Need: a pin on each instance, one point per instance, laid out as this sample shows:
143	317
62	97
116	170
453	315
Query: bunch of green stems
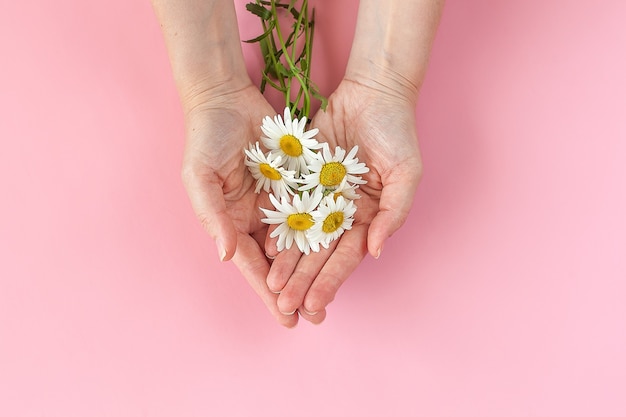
287	65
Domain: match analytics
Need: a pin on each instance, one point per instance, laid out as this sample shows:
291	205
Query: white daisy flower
331	219
345	190
293	221
328	172
268	172
287	139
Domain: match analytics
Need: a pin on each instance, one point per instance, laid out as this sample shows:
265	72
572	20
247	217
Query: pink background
504	294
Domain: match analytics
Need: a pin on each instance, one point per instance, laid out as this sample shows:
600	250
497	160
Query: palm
217	134
383	128
220	187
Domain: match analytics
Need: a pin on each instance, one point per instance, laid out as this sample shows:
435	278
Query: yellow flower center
300	221
332	222
269	172
332	173
291	145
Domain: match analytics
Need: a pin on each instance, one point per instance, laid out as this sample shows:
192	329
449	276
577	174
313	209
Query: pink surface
502	296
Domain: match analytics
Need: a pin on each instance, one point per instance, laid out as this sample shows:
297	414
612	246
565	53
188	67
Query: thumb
207	200
395	203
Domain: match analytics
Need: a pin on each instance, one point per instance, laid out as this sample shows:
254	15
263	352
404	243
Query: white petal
339	154
352	152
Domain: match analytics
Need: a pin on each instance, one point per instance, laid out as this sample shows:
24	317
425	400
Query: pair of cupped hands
221	123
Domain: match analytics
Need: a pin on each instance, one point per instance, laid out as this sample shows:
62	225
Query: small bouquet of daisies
311	187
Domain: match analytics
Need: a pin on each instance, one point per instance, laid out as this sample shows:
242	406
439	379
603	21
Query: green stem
272	55
306	108
275	46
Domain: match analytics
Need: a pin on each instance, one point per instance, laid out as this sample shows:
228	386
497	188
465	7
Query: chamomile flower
328	171
331	219
288	139
268	172
345	190
293	221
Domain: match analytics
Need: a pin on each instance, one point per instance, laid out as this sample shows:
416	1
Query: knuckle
188	174
207	222
355	252
332	283
398	217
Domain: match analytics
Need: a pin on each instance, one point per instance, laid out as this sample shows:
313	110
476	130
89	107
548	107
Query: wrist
379	77
211	91
392	44
204	47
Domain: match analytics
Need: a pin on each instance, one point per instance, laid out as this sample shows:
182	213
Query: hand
220	187
382	123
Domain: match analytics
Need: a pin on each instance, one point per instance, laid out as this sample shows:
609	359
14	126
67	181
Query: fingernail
289	314
310	313
378	253
271	287
220	250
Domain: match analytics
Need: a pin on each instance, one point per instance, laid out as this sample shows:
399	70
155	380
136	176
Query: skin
373	107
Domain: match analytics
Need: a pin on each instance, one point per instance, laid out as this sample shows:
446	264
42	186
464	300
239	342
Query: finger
253	265
207	200
315	318
395	203
343	261
282	267
292	295
270	242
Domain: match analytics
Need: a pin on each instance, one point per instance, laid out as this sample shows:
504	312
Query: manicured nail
220	250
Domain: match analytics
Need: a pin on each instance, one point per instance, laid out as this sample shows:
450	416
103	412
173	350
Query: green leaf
294	13
259	10
281	70
263	35
320	97
266	79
